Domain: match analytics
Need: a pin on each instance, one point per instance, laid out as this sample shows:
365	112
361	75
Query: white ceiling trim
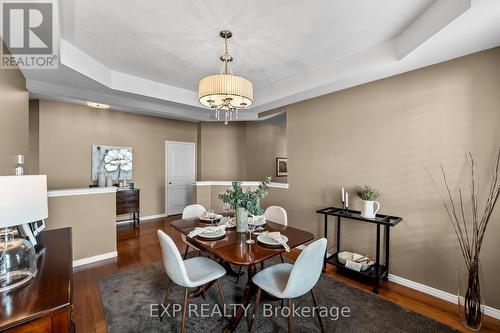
439	15
81	62
296	87
447	29
54	92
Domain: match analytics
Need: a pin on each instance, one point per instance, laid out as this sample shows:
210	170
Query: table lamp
23	199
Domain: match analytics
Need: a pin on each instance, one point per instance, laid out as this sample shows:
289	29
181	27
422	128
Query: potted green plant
369	195
245	201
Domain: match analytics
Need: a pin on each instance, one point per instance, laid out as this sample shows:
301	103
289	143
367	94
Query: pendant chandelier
226	93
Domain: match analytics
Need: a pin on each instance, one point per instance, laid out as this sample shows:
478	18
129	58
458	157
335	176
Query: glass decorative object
471	295
18	261
241	219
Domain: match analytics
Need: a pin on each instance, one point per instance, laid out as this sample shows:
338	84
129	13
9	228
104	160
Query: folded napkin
357	262
231	223
277	237
198	231
355	266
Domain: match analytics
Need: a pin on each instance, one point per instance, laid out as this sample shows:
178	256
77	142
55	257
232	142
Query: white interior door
180	174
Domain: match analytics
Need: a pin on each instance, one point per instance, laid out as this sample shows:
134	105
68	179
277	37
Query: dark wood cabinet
43	304
128	202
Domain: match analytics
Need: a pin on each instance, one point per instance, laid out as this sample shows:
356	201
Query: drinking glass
250	228
211	215
226	208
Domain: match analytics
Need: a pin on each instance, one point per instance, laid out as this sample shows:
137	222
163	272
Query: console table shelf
378	270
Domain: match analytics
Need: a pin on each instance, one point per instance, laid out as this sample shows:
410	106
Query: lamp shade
23	199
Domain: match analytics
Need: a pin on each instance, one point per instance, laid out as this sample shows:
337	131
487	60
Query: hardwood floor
139	247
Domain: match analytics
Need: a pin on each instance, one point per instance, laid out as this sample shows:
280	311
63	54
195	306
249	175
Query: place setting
211	233
210	217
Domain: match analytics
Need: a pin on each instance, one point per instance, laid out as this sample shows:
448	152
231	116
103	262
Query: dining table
233	249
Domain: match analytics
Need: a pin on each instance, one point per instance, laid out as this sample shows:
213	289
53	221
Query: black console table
377	271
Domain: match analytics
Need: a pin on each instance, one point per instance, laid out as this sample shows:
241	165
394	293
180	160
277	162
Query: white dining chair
287	281
189	212
278	215
191	273
274	214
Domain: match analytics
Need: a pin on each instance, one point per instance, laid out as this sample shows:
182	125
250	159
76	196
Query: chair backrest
276	214
172	260
193	211
306	270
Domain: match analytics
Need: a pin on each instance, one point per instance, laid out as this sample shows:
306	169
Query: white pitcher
367	209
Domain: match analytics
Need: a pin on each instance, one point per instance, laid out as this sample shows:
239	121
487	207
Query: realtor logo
28	32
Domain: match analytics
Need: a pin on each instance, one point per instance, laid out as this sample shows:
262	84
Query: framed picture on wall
281	167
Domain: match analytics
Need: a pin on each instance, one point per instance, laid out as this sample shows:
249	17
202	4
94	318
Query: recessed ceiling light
98	105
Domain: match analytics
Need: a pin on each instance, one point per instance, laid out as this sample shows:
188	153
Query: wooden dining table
233	249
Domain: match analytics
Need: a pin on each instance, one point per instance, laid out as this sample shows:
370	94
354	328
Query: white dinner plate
211	234
258	223
269	241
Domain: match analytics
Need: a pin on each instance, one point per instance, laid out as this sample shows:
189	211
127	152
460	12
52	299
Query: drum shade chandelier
226	93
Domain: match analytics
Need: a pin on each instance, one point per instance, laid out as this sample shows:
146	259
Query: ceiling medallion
226	93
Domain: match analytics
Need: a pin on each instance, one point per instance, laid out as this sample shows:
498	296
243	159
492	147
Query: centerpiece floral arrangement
245	201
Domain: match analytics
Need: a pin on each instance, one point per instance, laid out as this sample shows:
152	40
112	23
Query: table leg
377	261
326	236
387	242
229	269
338	234
250	291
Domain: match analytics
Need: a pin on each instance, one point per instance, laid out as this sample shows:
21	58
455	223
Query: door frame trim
166	168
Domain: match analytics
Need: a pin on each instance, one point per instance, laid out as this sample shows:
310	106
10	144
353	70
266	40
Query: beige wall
68	131
13	119
223	151
33	155
92	218
240	151
264	143
384	134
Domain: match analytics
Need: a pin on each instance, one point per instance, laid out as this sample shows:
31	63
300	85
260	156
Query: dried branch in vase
470	229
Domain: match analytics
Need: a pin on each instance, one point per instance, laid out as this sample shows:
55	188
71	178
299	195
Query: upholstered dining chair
287	281
278	215
189	212
191	273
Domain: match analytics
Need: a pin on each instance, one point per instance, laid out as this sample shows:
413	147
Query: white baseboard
145	218
488	310
90	260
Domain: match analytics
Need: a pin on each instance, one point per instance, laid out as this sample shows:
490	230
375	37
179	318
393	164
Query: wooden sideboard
43	304
127	202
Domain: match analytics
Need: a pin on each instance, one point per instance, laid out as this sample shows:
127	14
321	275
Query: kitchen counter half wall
91	212
205	192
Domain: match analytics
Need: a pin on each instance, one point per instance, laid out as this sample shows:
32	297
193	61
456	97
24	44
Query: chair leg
254	312
317	310
261	265
165	300
221	294
281	256
184	308
290	315
186	252
239	273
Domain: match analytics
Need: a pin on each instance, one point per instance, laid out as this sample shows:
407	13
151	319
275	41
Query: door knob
169	183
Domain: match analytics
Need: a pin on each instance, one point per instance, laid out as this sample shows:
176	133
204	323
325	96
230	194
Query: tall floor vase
471	296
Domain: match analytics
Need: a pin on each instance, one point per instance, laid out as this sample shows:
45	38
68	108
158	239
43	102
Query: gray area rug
130	300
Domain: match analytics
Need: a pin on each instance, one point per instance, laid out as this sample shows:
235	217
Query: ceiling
149	58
